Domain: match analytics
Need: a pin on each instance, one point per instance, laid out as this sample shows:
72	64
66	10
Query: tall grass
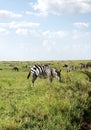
56	106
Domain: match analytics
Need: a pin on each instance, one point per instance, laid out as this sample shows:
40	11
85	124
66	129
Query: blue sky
45	30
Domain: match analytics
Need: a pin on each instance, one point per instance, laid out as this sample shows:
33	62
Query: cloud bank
59	7
9	14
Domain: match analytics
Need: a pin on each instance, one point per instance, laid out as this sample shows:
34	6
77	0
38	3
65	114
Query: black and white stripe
43	71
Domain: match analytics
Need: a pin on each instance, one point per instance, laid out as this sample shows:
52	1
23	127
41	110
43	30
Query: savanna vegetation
46	106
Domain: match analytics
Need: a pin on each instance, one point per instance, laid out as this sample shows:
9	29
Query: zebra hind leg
50	79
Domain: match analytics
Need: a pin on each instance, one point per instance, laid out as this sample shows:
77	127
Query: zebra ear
60	70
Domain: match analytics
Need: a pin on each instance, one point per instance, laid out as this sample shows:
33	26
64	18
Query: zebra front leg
28	75
34	77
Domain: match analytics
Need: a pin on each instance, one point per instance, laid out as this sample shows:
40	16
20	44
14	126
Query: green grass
56	106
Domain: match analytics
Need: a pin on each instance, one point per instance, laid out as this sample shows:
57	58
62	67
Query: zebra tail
28	75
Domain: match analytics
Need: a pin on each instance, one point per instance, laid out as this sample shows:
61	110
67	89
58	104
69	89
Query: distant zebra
69	68
88	64
15	68
83	66
43	71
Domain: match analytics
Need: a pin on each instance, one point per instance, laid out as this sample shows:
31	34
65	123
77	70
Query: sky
35	30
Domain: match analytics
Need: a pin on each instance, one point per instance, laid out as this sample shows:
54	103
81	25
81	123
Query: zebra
88	64
83	65
69	68
15	68
43	71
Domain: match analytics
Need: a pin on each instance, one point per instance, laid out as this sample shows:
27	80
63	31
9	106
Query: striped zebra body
70	68
43	71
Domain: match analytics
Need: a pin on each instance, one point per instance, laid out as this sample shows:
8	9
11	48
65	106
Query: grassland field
46	106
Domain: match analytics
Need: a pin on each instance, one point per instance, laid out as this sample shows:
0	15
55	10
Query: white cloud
15	24
23	24
24	31
59	7
9	14
76	34
81	25
3	31
54	34
26	28
21	28
51	40
38	14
